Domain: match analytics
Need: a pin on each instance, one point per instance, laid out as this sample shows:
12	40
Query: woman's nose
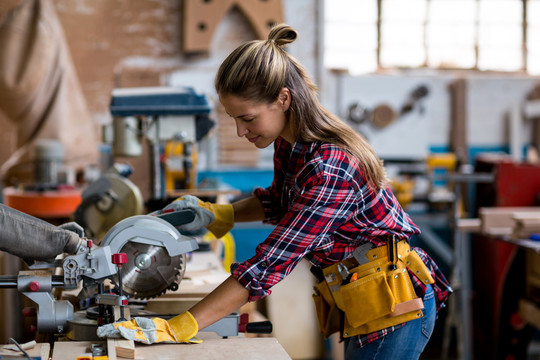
240	129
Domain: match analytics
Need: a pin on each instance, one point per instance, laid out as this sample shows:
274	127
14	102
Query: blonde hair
257	71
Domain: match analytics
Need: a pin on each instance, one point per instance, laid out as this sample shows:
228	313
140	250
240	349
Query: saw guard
156	253
148	230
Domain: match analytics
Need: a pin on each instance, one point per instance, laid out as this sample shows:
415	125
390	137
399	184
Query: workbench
204	273
212	347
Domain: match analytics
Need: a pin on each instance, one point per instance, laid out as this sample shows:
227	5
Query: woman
328	198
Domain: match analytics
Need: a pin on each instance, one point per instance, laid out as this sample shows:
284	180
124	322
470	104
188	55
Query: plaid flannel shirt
323	208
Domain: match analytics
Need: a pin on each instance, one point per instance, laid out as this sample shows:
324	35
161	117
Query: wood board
212	347
41	349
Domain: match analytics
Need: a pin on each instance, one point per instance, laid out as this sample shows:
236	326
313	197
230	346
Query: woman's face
260	123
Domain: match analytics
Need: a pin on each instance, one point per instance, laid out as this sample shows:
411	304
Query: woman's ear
284	99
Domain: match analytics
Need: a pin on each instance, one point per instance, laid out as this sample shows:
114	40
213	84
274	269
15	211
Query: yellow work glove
217	218
180	329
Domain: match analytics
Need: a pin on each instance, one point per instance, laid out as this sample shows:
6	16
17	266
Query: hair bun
282	34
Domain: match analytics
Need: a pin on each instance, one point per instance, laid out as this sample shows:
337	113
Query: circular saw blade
149	270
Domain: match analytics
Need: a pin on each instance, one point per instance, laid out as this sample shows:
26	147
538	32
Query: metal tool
156	258
165	117
98	349
155	261
343	271
108	200
119	260
153	265
360	253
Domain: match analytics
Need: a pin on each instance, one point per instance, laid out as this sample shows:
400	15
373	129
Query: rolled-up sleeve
315	211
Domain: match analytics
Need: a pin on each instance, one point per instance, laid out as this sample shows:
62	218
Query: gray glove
203	217
143	327
180	329
74	227
218	218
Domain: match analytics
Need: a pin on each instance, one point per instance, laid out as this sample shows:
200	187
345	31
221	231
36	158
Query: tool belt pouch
406	305
367	299
378	299
328	314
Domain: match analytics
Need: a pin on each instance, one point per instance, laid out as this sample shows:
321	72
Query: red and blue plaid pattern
323	208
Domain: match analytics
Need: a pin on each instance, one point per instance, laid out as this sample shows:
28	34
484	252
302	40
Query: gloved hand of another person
217	218
73	226
180	329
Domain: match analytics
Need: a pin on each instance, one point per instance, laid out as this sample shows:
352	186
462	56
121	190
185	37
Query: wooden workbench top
38	350
212	347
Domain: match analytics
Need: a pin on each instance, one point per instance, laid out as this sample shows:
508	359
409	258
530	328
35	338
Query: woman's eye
249	119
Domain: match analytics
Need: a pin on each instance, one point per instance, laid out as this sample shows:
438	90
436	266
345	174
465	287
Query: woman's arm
225	299
249	209
230	295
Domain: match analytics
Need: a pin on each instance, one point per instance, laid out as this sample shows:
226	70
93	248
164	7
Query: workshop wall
427	127
127	43
138	43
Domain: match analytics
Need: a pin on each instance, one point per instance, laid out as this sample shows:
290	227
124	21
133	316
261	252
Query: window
351	35
489	35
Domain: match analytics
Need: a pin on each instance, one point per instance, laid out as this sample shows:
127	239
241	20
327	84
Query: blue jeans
407	342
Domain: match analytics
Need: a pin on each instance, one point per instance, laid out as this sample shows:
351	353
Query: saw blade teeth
150	277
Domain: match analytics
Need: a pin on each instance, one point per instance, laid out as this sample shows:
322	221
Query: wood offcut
201	18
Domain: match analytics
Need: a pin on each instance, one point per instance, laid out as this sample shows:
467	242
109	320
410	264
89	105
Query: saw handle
259	327
177	218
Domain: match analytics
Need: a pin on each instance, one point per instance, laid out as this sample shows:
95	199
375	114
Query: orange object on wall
43	204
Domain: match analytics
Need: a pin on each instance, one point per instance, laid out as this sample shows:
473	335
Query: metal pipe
10	281
156	154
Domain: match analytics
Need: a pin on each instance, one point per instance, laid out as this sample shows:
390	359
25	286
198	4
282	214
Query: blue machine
170	118
158	101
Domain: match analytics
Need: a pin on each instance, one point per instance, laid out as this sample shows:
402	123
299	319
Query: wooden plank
529	312
525	224
500	220
111	349
41	349
125	348
458	114
469	225
201	18
212	347
69	350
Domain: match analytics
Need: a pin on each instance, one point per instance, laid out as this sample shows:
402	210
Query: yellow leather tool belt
373	295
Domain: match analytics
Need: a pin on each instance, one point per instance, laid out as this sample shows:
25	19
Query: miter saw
141	256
